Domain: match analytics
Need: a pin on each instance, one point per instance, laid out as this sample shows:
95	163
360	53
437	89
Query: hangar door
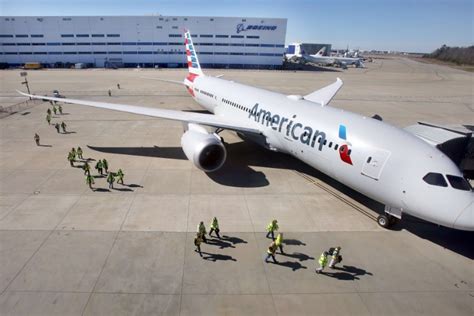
375	162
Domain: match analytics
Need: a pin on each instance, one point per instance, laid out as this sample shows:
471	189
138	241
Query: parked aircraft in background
319	58
386	163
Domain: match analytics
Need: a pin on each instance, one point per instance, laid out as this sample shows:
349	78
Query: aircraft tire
383	221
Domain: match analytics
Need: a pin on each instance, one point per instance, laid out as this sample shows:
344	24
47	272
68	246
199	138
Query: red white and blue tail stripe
191	56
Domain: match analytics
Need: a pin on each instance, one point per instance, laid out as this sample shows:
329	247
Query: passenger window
330	144
458	183
435	179
335	147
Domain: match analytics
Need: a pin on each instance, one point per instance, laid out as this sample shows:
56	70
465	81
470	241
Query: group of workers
55	111
277	243
58	126
201	233
100	166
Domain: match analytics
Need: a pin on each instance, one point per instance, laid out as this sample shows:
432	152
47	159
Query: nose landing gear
391	216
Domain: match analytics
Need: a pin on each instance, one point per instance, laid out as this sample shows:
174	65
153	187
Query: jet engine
205	150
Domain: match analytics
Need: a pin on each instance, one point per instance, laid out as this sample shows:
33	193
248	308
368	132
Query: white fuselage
379	160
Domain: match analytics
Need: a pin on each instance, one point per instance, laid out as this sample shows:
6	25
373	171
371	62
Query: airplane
386	163
319	58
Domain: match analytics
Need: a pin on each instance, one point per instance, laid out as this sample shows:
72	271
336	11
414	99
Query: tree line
458	55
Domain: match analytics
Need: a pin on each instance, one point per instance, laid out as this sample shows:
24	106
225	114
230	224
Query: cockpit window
435	179
458	183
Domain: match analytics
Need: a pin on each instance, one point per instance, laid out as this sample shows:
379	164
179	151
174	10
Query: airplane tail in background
193	63
321	51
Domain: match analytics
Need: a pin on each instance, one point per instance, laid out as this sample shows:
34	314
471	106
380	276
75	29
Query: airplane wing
165	80
324	96
189	117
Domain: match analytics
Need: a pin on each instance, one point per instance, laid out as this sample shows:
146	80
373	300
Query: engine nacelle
205	150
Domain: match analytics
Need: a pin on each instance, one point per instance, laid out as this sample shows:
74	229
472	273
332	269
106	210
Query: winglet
324	96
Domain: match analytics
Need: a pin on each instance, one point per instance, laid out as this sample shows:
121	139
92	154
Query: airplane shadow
237	172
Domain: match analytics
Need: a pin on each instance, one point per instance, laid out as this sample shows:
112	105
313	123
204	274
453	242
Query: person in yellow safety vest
79	152
323	261
87	168
214	227
197	243
271	252
336	257
271	228
201	230
279	242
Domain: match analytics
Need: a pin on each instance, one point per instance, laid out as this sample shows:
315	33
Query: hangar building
146	41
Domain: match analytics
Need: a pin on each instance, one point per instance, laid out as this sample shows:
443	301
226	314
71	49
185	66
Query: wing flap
189	117
324	96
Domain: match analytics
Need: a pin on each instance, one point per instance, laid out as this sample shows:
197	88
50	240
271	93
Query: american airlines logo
242	28
291	128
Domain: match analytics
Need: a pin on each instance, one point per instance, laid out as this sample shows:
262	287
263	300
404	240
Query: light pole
24	74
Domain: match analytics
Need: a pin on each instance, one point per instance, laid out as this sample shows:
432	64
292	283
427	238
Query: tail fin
321	51
193	63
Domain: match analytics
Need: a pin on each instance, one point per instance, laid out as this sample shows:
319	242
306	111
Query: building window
6	35
280	45
159	27
23	44
98	35
113	35
161	19
206	44
55	53
115	52
252	45
178	44
21	35
99	53
211	19
67	19
185	19
36	35
206	35
236	44
82	35
129	43
9	53
130	53
174	35
38	44
98	43
69	44
267	45
244	20
84	53
221	44
83	44
174	27
113	43
145	53
236	53
67	35
8	44
53	44
25	53
175	19
237	36
69	53
253	36
159	43
222	36
144	43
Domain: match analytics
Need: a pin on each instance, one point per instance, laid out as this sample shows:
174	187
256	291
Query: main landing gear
390	217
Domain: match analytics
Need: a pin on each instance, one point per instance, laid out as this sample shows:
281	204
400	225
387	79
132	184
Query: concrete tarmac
67	250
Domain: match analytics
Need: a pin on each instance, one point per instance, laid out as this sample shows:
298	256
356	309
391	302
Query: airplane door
374	163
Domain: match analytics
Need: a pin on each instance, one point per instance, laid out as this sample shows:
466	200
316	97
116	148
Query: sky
403	25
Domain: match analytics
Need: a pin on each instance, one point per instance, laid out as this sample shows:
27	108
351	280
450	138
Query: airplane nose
465	220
